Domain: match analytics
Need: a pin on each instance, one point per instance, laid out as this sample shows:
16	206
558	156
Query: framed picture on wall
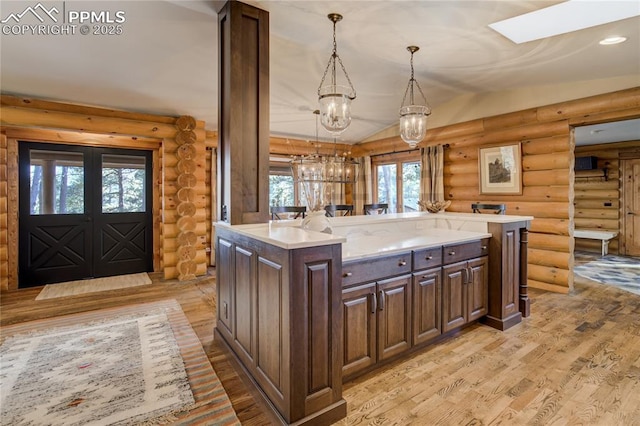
500	169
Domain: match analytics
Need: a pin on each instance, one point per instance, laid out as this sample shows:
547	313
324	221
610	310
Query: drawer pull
452	253
347	275
374	303
429	257
483	247
402	263
381	292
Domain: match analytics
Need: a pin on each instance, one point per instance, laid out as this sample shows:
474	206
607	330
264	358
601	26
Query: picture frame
500	169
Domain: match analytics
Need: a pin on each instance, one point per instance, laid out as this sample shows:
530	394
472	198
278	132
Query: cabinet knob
402	263
429	257
347	274
483	247
452	253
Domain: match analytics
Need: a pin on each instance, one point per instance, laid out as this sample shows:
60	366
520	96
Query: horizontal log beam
26	117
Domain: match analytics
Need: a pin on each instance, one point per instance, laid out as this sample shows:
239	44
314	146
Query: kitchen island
303	311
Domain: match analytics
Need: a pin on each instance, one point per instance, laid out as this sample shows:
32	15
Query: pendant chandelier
334	99
319	174
413	117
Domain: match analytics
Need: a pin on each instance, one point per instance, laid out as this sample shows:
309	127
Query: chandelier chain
332	65
410	88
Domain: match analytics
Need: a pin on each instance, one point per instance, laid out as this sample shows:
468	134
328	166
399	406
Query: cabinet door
454	296
427	321
359	321
224	282
478	288
394	316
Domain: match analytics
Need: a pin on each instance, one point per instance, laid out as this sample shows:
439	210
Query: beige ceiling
165	61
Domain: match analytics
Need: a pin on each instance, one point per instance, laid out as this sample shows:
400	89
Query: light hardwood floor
575	361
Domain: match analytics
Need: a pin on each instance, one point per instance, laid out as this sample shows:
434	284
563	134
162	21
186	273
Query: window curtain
431	174
214	201
363	190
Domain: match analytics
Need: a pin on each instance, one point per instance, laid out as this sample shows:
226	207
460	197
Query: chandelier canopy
413	117
335	100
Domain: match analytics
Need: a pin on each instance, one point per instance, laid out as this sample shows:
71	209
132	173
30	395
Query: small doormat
74	288
621	272
141	364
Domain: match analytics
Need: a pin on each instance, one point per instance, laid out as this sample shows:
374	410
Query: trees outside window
397	181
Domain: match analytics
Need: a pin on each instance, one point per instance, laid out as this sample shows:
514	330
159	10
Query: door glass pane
56	184
387	186
281	190
123	183
410	186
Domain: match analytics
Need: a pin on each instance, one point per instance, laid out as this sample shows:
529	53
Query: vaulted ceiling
165	60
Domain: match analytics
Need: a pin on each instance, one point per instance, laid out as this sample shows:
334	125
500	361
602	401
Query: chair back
295	211
496	208
334	210
380	208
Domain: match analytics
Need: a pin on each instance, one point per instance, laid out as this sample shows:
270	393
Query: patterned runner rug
73	288
621	272
141	364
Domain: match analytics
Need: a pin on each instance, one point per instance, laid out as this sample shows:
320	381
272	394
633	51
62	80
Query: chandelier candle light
335	100
413	118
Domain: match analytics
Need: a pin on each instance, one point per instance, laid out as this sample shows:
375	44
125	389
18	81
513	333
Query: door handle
381	300
470	275
374	303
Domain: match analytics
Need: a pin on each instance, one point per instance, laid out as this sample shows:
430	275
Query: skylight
562	18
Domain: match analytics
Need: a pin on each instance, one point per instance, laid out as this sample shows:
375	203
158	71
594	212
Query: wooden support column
243	157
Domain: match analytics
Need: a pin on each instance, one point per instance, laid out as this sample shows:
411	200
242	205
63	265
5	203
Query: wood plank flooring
575	361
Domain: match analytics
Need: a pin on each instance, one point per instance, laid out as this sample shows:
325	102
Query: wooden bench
603	236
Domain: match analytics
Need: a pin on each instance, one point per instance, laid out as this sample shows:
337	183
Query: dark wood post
243	118
525	303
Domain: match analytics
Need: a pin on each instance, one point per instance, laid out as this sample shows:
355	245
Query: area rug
621	272
141	364
73	288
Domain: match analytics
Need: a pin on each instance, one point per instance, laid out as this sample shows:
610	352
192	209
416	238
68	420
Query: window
123	183
56	182
397	181
281	188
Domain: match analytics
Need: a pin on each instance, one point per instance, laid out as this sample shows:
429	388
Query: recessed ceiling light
562	18
612	40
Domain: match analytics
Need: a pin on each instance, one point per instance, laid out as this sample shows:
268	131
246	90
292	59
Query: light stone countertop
368	236
381	242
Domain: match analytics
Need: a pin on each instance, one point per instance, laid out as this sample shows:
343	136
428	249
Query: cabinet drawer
375	269
427	258
458	252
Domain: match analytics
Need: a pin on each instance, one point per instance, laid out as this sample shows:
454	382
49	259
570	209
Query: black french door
84	212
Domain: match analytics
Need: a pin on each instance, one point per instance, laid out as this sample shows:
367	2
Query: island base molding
325	416
502	324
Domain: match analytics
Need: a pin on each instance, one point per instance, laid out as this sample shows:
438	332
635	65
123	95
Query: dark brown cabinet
427	318
465	296
377	322
359	306
279	312
394	316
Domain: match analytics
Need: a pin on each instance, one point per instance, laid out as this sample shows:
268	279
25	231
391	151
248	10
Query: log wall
598	198
547	164
4	215
46	121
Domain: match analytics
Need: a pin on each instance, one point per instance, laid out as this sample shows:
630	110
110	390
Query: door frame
92	223
624	156
16	135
